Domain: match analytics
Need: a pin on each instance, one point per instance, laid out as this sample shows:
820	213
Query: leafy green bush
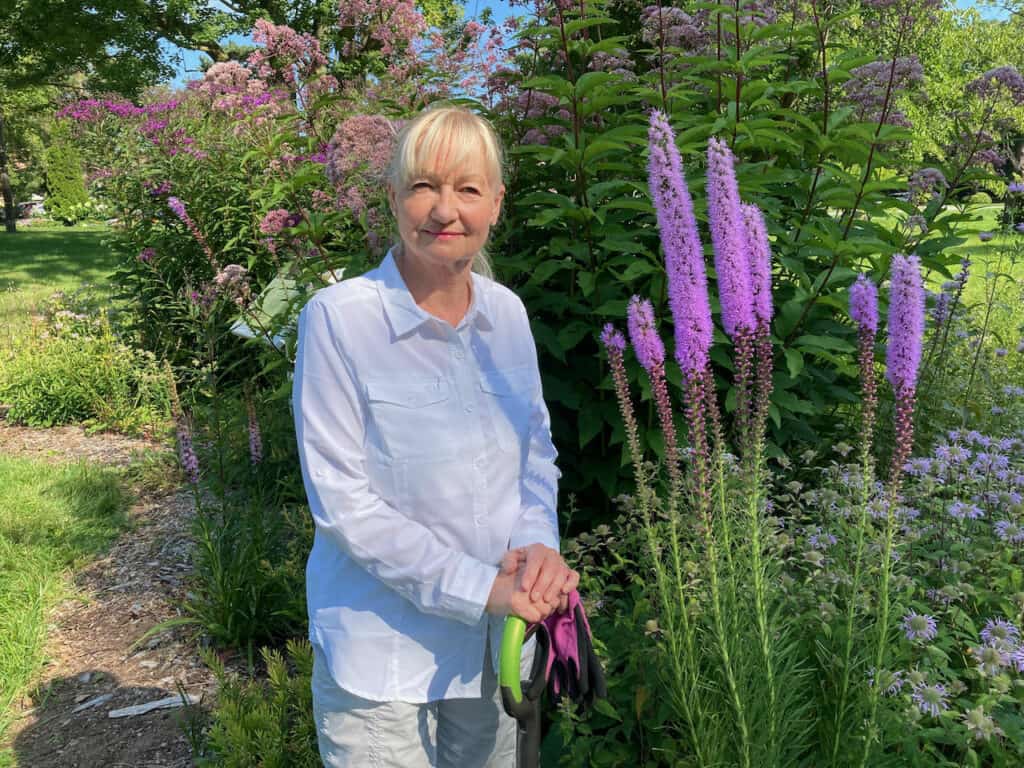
68	199
74	369
263	723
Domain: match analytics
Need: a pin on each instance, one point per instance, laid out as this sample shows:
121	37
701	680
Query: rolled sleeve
330	423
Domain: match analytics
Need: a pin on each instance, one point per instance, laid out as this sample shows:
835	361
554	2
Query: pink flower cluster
869	84
674	28
292	58
999	82
357	157
390	24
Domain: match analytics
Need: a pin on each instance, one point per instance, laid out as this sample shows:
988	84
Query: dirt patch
96	657
72	443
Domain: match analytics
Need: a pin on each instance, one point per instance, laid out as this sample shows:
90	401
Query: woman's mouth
445	235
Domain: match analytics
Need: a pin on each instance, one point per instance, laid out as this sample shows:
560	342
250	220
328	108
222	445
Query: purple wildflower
187	452
930	699
277	219
760	252
1005	80
1019	227
1009	531
1000	631
906	323
985	236
726	222
991	659
864	303
146	255
613	339
179	210
684	256
920	626
646	342
1015	187
961	510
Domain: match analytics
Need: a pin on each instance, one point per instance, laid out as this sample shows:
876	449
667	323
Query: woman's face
444	216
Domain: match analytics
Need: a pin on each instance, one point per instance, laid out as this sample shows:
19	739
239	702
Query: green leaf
795	362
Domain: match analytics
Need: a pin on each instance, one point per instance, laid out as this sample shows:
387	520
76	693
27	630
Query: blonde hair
454	135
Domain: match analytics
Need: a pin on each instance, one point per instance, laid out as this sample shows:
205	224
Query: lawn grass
43	258
51	521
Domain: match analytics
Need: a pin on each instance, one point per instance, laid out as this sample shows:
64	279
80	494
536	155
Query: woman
427	459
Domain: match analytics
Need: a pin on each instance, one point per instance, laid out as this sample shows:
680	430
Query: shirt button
479	462
459	353
469	408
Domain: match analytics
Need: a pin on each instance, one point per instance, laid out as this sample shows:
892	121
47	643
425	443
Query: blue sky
187	63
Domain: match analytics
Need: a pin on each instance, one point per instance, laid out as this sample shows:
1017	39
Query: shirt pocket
413	418
509	394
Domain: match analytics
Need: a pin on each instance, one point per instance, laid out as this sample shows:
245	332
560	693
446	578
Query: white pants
452	733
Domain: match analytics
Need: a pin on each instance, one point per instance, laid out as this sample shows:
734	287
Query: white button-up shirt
426	453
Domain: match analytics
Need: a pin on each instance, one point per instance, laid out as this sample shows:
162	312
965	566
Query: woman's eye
471	190
421	185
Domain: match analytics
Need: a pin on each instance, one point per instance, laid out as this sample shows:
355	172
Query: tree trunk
5	182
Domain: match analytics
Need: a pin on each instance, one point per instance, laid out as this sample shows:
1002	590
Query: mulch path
93	649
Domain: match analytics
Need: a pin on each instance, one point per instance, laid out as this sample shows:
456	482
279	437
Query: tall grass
51	521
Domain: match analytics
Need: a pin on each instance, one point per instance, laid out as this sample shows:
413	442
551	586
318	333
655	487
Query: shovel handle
511	651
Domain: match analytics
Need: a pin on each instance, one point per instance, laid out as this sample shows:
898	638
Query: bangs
444	140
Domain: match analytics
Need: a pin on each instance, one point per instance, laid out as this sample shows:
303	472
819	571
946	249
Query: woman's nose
444	205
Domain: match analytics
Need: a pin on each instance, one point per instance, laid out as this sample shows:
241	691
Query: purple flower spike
760	263
613	339
864	303
726	222
642	333
684	256
906	323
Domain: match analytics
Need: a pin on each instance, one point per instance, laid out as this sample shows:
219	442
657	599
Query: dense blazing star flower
930	699
919	626
906	323
760	263
725	218
255	438
864	303
643	335
684	256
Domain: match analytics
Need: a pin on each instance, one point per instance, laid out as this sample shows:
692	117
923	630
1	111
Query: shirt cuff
526	536
466	599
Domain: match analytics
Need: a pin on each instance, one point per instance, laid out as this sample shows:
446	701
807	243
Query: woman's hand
547	578
550	583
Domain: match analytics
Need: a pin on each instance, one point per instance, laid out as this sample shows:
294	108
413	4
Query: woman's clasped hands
533	583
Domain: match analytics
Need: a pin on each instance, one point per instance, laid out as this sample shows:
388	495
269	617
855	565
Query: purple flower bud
146	255
864	303
642	333
985	236
906	323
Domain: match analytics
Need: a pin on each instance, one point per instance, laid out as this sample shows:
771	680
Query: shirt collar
405	315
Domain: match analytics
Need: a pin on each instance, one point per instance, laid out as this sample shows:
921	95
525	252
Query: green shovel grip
511	652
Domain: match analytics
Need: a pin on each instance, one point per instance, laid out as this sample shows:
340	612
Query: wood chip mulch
97	663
